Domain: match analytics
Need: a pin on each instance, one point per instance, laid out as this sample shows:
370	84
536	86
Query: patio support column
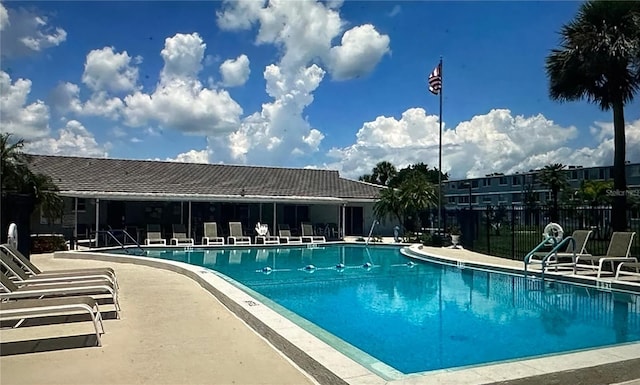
344	220
97	219
275	229
189	222
75	225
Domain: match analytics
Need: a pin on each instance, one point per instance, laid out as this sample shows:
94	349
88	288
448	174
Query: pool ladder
373	225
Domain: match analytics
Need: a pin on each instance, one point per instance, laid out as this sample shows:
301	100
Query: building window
602	173
82	205
474	183
452	199
516	197
574	175
487	181
515	181
503	180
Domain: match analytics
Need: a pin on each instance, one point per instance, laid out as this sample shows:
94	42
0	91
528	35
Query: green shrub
48	244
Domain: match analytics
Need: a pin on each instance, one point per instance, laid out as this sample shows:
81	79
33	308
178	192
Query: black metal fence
513	231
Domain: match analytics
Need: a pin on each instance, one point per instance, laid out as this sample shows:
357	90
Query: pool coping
329	366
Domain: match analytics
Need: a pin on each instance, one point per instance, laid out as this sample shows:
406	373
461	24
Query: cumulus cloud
235	72
73	139
494	142
182	56
25	32
304	32
180	101
278	132
192	156
4	17
360	51
65	98
106	70
28	121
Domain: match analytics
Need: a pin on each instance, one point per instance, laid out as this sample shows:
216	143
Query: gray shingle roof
143	177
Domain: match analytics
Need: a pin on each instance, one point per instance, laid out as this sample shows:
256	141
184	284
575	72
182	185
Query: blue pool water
426	316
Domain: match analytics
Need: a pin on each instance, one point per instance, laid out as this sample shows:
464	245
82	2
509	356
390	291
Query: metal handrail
111	233
552	253
371	231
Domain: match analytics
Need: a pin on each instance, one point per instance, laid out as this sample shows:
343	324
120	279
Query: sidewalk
172	331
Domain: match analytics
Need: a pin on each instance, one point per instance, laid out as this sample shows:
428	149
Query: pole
440	156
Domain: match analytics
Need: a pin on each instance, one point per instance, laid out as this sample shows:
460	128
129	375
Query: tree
17	179
599	60
383	172
406	202
389	204
555	179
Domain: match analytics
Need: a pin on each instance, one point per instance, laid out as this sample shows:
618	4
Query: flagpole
440	157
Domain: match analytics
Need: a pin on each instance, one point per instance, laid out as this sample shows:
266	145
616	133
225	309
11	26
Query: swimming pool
418	317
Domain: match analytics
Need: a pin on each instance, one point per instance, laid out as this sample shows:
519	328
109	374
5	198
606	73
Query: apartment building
499	189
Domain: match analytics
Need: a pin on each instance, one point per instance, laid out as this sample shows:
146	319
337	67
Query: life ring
12	235
553	232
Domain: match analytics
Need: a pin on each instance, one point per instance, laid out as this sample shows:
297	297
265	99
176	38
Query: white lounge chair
211	235
236	235
22	277
180	237
16	290
285	235
618	251
154	236
33	270
46	307
307	234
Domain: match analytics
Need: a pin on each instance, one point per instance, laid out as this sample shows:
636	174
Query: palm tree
415	195
383	172
389	204
19	181
553	176
599	60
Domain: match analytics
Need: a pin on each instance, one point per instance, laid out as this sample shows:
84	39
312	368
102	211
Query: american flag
435	80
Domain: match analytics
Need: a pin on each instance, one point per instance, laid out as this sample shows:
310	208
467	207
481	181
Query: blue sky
338	85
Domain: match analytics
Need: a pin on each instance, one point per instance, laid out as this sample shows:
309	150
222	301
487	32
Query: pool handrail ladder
551	255
111	232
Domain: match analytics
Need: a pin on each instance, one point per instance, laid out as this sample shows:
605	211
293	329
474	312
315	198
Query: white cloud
395	10
4	17
27	121
494	142
304	32
73	139
235	72
180	101
106	70
182	56
24	32
278	132
65	98
192	156
361	50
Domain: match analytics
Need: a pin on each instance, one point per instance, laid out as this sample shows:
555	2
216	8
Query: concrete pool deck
202	341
